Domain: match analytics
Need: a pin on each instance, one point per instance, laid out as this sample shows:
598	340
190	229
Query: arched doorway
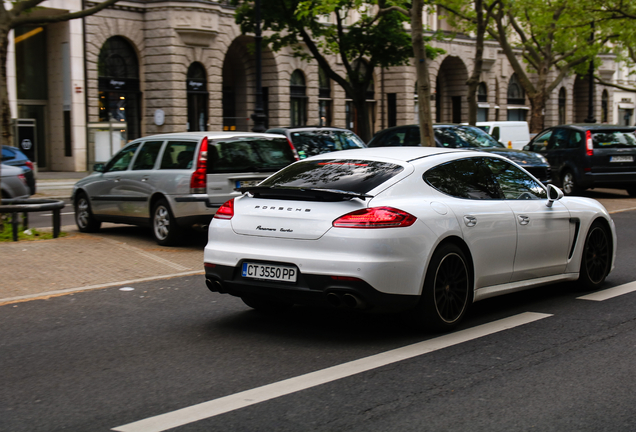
118	86
235	105
580	97
197	90
450	95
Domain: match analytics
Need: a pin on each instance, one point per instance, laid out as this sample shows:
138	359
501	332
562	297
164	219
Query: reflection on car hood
519	156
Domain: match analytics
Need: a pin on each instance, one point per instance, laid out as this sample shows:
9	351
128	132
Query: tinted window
147	155
391	138
178	155
560	139
540	144
359	176
464	136
613	139
311	143
465	178
576	138
122	159
249	154
513	182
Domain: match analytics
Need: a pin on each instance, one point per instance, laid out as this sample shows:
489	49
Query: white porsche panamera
428	230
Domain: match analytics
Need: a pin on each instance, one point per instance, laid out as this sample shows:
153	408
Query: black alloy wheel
597	257
84	218
448	288
164	225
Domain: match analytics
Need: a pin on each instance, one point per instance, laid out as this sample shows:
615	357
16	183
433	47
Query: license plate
247	183
621	158
269	272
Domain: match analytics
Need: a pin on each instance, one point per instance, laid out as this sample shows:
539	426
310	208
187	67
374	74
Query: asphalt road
103	359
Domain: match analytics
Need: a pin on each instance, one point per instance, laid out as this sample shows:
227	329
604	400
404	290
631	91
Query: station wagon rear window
614	139
249	154
358	176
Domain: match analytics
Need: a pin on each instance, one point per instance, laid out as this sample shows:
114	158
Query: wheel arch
461	244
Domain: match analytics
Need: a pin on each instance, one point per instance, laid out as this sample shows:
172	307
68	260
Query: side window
178	155
540	144
576	138
515	184
394	138
465	178
560	139
121	160
495	133
147	156
446	137
413	137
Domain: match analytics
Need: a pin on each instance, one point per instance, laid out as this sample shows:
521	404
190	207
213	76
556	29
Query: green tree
376	38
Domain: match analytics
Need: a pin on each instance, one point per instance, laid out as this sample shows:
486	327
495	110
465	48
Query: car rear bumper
191	209
611	180
309	289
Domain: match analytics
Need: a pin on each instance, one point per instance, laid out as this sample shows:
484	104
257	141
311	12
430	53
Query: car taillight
226	211
293	149
589	145
22	178
375	217
197	181
30	165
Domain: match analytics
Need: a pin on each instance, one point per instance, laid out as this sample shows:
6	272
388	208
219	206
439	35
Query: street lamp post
259	116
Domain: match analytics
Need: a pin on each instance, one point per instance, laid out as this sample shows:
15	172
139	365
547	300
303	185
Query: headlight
543	159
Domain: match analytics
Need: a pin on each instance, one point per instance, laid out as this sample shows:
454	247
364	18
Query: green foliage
6	232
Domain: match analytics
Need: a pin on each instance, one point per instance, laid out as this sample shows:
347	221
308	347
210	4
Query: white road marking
93	287
610	292
270	391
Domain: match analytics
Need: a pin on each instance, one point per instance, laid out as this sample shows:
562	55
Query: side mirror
527	147
98	167
554	194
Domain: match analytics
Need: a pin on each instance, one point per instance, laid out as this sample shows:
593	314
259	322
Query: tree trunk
5	111
473	81
362	119
427	138
537	110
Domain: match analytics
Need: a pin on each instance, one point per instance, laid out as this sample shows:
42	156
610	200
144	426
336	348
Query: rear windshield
358	176
465	136
311	143
614	139
249	154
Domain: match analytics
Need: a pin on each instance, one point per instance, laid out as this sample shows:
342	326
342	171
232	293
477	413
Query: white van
512	134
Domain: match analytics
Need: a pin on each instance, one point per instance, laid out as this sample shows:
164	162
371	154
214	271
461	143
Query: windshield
465	136
358	176
311	143
615	139
249	154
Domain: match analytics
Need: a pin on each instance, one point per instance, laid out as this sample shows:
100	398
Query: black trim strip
192	199
118	198
577	226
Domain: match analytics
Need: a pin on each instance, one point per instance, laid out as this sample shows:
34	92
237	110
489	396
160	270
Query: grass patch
6	232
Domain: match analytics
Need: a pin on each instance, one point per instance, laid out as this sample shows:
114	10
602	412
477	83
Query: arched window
298	99
562	101
118	75
605	110
197	90
516	96
324	98
482	102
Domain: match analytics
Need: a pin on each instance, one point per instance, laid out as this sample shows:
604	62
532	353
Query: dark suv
588	156
314	140
466	137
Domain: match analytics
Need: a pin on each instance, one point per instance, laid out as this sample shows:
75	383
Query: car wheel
164	225
631	191
84	218
448	289
568	181
596	258
265	304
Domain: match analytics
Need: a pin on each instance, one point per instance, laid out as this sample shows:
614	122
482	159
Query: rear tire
447	291
84	218
569	184
164	225
596	258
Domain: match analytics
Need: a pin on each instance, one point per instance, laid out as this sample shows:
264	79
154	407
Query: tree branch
19	21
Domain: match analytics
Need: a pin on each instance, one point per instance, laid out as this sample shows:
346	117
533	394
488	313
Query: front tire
84	218
164	225
448	289
569	184
597	257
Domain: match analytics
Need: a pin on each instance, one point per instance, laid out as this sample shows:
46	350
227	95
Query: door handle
524	220
470	221
117	179
144	179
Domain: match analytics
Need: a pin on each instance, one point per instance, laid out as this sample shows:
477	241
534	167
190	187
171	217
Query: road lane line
610	292
246	398
57	293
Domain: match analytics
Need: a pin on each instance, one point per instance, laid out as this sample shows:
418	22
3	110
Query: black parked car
464	136
588	156
14	157
310	141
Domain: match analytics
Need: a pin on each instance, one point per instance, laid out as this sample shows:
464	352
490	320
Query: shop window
197	90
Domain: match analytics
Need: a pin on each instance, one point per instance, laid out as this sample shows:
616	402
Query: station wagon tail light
375	217
589	145
198	181
30	165
226	211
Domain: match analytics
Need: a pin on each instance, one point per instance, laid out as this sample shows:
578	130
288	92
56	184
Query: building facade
142	68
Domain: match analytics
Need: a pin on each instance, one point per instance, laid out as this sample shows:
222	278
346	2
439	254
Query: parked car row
14	157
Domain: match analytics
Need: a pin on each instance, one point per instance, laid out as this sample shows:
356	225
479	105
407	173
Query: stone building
147	67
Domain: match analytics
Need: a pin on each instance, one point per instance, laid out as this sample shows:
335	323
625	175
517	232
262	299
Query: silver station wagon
174	181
